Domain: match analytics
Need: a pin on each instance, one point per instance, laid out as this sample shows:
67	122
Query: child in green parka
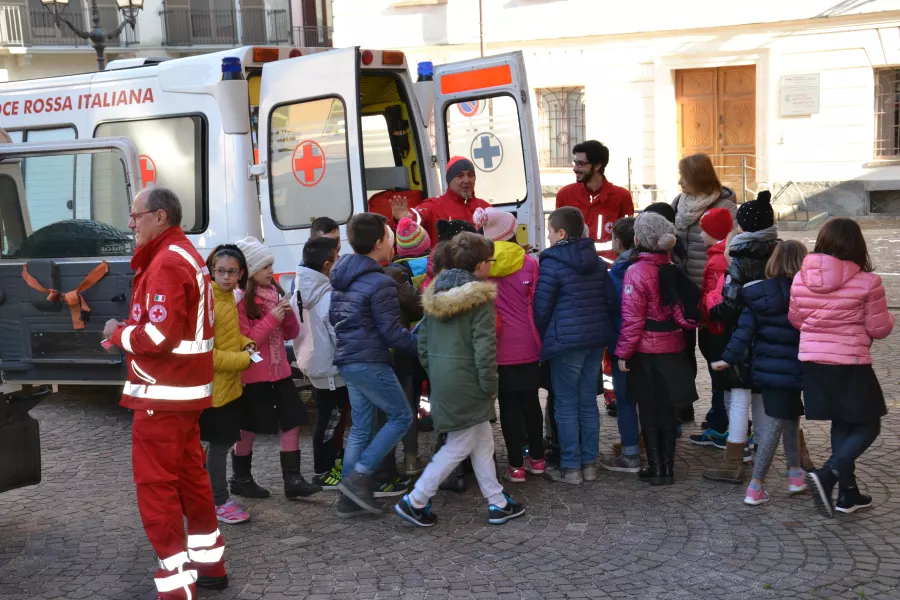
458	349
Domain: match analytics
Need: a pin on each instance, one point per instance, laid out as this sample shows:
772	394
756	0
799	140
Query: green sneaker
328	481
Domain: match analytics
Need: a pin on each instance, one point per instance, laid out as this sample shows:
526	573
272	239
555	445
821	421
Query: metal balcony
313	36
189	27
44	32
11	31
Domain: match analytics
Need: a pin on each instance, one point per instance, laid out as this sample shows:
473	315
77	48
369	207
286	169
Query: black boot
242	483
205	582
652	472
667	456
295	487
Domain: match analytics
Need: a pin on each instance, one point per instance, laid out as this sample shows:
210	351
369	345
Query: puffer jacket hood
641	304
839	310
824	274
455	292
764	338
580	255
508	258
350	268
312	287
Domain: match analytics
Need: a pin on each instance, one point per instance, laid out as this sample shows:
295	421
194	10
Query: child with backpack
458	349
314	351
775	369
518	345
658	303
220	426
839	305
272	403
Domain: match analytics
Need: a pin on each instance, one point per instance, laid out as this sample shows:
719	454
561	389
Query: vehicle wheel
74	238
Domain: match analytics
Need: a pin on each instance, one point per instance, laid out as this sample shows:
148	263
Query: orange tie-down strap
74	299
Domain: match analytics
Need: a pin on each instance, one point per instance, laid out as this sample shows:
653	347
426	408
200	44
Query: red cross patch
148	170
136	312
158	313
608	227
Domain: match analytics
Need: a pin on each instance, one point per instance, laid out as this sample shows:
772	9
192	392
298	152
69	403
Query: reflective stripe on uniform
174	561
126	339
603	246
154	333
201	285
209	557
178	580
202	540
201	347
167	392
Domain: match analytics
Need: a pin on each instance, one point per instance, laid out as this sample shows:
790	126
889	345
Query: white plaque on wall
799	95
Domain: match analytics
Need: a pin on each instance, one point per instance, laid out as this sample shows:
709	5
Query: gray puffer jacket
692	240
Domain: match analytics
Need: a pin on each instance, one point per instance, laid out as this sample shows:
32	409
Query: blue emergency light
231	64
425	69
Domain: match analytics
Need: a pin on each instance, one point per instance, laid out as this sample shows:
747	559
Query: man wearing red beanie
459	202
601	202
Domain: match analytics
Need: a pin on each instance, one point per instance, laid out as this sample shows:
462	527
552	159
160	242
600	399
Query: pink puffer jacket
516	274
641	302
839	310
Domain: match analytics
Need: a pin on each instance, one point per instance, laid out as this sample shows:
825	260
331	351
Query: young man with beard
601	202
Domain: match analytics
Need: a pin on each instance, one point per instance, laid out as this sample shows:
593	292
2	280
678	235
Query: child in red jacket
715	225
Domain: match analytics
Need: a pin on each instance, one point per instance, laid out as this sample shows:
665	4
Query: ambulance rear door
482	111
309	136
42	339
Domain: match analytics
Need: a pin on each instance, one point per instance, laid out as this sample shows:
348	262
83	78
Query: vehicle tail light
367	57
392	58
294	53
264	55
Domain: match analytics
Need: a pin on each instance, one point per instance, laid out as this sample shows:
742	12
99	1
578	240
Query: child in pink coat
839	306
271	400
518	345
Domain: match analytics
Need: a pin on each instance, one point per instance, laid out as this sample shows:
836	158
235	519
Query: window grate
887	114
560	124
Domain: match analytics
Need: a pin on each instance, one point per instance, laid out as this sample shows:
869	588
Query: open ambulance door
309	136
65	258
482	111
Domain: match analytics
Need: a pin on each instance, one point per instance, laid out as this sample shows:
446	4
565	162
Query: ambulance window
377	151
173	153
487	132
10	214
49	180
308	164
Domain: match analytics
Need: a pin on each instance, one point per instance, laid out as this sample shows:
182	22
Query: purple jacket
515	274
641	302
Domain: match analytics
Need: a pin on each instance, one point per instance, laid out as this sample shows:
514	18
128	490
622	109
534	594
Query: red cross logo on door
308	163
148	170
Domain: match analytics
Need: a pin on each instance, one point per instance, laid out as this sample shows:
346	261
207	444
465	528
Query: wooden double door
717	116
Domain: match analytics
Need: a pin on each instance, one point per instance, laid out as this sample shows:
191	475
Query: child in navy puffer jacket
775	368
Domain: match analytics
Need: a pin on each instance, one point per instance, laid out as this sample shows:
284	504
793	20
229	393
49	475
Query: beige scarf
691	208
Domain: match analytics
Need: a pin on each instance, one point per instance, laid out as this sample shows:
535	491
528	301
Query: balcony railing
189	27
11	32
313	37
44	32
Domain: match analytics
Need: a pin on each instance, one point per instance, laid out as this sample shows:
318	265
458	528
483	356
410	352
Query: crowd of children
476	316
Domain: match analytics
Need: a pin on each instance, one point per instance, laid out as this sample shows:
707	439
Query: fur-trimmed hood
455	292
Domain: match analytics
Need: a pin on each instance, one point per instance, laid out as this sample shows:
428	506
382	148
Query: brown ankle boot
806	460
732	467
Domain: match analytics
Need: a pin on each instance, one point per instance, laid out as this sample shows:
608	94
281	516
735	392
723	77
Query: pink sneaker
515	475
230	512
754	497
535	467
797	484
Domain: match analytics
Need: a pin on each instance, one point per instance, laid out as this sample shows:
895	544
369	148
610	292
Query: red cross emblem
308	163
158	313
148	170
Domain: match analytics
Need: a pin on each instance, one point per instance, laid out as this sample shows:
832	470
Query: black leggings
520	420
332	414
848	442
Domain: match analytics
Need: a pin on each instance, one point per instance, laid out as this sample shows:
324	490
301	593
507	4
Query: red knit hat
717	223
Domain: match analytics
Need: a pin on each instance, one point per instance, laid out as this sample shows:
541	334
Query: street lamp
97	35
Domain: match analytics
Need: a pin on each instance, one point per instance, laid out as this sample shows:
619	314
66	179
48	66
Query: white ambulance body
306	133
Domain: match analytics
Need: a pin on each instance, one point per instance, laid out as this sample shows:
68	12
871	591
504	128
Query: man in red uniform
601	202
168	342
458	203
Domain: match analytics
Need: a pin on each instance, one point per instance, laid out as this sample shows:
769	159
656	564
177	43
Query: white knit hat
654	232
257	254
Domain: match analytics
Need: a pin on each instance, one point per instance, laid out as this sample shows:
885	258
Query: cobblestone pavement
78	535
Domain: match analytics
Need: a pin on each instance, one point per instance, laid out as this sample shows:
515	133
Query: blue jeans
574	375
373	386
626	410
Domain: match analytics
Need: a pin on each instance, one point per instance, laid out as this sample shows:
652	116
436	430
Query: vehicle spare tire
74	238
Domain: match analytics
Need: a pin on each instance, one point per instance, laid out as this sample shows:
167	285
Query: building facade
31	46
800	97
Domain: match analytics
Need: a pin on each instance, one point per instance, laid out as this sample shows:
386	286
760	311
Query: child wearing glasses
220	426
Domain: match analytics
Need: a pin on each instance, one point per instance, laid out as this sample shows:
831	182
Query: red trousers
172	484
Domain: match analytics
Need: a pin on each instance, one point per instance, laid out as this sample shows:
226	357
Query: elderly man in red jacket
601	202
459	203
168	343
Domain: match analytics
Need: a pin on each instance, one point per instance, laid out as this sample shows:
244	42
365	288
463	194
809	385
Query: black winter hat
447	230
758	214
